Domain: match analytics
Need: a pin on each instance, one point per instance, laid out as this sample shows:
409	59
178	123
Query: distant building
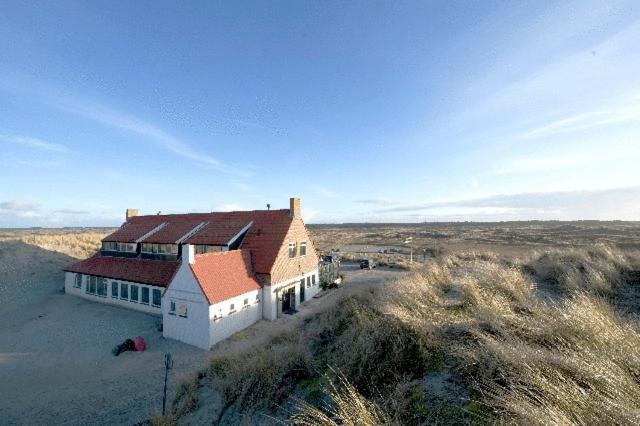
208	275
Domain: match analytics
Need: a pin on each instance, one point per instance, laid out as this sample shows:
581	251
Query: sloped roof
219	231
153	272
173	231
223	275
132	231
264	238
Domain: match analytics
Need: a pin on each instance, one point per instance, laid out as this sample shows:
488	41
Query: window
134	293
109	246
313	279
172	308
218	316
160	248
114	289
78	282
232	308
246	303
102	287
309	281
202	248
123	247
183	311
91	284
145	295
292	250
127	247
124	291
303	248
257	298
157	297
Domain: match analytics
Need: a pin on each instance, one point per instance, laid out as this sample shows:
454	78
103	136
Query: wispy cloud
101	113
17	206
588	120
375	202
613	203
19	209
562	162
326	192
71	212
35	143
112	118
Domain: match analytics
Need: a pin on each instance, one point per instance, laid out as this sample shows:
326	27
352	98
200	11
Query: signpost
168	365
408	241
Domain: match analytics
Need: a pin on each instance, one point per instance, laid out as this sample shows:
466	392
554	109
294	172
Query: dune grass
471	339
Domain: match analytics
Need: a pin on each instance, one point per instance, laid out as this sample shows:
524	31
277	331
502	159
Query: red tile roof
223	275
131	231
172	231
264	239
153	272
220	230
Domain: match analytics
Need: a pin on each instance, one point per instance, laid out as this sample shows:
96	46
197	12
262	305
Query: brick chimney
130	213
294	208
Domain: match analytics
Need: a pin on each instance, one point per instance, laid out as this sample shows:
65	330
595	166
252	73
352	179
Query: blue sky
369	111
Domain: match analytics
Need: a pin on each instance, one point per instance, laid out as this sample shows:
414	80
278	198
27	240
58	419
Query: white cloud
326	192
36	143
18	206
607	204
616	115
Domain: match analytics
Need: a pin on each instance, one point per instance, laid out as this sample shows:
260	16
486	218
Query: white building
208	275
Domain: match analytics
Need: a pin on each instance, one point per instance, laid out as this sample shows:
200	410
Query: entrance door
301	291
289	299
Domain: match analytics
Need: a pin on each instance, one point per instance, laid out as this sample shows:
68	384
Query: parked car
367	264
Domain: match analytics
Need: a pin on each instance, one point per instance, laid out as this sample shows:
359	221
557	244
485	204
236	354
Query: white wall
224	323
272	294
194	329
69	288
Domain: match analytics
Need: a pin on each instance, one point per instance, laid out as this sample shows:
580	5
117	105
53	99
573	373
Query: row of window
131	292
207	248
311	280
124	247
293	249
160	248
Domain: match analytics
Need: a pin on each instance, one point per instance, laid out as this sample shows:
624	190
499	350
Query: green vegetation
469	339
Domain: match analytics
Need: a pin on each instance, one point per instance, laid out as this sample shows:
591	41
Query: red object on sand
141	345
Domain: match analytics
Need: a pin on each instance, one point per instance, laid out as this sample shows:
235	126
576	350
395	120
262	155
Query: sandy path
56	365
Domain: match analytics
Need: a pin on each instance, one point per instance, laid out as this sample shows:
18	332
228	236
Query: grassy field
530	324
525	323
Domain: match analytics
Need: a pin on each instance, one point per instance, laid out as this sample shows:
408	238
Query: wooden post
168	365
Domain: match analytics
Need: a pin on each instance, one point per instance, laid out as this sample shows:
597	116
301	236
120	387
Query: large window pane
124	291
134	293
145	295
114	289
102	287
157	296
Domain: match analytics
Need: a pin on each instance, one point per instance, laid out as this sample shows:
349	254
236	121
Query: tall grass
79	244
466	340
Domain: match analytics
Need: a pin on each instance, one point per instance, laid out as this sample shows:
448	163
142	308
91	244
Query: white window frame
124	285
77	283
303	244
131	293
155	291
293	245
172	307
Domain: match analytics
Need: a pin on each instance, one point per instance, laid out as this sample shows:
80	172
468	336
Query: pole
168	365
411	255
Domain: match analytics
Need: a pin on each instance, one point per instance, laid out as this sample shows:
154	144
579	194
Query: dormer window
292	250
